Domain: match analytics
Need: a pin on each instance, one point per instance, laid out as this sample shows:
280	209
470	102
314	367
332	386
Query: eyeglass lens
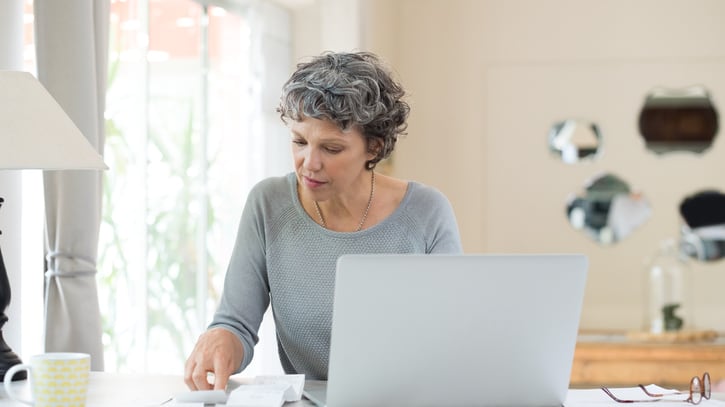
696	390
706	392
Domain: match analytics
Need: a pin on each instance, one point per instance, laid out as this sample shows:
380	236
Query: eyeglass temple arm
644	389
618	400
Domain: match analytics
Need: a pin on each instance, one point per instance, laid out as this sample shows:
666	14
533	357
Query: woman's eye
299	142
333	150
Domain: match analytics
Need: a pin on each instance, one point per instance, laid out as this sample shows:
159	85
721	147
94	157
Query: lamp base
8	358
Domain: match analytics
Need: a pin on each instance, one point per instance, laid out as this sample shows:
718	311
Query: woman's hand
218	351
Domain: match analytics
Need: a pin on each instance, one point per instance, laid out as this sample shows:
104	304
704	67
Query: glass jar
667	290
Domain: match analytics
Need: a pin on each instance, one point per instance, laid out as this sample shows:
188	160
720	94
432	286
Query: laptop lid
454	330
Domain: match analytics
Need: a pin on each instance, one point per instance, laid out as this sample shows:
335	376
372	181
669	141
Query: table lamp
35	133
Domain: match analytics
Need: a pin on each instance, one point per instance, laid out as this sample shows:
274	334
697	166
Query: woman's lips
312	183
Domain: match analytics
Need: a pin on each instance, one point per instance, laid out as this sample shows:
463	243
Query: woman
345	113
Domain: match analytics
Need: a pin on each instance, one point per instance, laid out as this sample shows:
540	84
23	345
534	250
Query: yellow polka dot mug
57	379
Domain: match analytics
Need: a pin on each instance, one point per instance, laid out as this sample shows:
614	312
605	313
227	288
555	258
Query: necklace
367	209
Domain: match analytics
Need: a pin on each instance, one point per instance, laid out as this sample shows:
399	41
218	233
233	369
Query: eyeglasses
699	389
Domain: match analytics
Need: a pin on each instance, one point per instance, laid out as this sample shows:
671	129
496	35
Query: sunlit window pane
181	104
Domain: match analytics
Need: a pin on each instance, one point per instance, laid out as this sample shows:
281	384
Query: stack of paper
263	391
268	391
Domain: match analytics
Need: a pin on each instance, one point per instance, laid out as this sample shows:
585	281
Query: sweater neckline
292	177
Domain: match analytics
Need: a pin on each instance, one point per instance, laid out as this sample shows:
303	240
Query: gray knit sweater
284	257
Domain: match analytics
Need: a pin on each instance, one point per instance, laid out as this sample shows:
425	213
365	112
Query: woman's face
328	161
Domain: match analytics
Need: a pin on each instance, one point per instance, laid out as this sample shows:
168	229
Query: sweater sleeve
245	296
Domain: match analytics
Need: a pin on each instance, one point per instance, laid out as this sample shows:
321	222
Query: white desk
125	390
122	390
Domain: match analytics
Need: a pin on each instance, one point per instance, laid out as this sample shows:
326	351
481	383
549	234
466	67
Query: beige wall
487	78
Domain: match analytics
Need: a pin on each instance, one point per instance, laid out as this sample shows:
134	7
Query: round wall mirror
575	140
678	120
702	236
607	210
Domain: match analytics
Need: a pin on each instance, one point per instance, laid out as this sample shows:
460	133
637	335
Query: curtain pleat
71	38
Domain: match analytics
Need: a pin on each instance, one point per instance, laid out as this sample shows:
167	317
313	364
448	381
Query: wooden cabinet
614	360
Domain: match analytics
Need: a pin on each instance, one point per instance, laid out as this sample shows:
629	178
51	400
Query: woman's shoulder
273	185
272	191
415	196
418	191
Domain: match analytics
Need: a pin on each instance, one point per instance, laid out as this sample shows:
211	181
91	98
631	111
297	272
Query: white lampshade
35	132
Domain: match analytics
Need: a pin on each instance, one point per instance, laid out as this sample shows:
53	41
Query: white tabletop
144	390
128	390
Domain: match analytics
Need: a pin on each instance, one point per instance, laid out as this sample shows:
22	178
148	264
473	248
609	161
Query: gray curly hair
349	89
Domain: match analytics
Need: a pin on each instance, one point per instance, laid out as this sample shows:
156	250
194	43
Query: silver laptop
453	330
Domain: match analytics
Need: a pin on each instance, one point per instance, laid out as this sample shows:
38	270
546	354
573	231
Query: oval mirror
607	211
678	120
575	140
702	236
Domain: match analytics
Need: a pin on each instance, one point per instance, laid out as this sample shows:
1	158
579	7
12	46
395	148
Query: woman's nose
312	160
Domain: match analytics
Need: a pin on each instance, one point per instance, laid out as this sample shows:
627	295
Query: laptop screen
454	329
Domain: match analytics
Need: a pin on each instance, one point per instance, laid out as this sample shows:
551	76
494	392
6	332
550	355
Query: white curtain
71	38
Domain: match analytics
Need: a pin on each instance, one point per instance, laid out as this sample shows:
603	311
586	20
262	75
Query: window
190	127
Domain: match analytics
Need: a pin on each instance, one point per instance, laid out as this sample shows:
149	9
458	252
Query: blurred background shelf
623	359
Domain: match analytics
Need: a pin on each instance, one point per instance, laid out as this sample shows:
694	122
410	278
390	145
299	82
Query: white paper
201	396
295	384
258	395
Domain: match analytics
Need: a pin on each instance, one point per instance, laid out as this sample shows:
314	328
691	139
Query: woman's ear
375	146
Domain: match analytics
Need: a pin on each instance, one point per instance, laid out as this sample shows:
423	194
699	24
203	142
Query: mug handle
9	389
